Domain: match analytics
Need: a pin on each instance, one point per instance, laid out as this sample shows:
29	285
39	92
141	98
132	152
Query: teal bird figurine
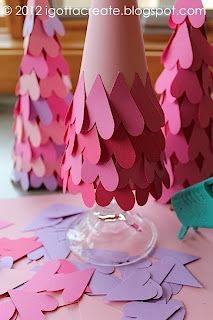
194	206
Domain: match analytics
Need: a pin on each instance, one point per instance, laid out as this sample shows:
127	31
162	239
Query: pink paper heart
46	151
164	82
33	132
199	143
87	191
56	64
177	144
23	150
25	107
124	197
32	305
172	115
105	171
99	110
39	41
179	49
58	106
187	82
38	167
28	84
179	16
121	147
89	144
125	107
38	64
55	131
53	84
189	113
72	284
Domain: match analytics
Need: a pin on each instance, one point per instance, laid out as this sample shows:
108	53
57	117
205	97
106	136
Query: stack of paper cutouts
43	92
186	85
115	145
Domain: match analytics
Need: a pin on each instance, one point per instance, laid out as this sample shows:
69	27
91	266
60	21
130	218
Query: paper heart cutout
187	82
13	278
53	25
99	110
33	132
203	50
58	106
207	79
188	112
50	183
187	173
7	310
152	116
133	288
28	84
199	143
22	177
39	42
24	150
38	282
87	191
19	248
38	167
121	147
36	64
177	144
73	284
43	111
179	15
126	110
164	82
57	64
32	305
124	197
101	284
55	132
25	107
172	115
152	310
89	145
51	85
47	152
105	171
28	25
179	50
5	262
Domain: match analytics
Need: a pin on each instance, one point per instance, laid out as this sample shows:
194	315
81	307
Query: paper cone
115	41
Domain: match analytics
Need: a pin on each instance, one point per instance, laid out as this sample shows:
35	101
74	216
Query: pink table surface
198	302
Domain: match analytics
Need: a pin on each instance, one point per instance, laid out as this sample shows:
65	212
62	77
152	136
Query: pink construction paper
58	106
38	64
39	281
91	309
32	305
179	50
78	105
127	111
39	41
187	82
89	144
73	284
7	310
53	84
177	144
28	84
199	143
99	110
164	82
197	20
13	278
56	64
19	248
172	115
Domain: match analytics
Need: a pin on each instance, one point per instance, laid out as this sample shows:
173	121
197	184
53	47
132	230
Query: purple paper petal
52	25
183	258
43	111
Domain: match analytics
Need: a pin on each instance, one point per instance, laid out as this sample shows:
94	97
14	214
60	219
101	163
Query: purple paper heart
160	269
6	262
43	111
52	25
50	182
28	25
22	178
102	284
135	287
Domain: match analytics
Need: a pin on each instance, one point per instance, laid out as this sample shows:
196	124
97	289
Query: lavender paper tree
43	92
186	85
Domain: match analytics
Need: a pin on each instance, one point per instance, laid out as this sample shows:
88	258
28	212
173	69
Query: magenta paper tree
43	92
115	145
186	85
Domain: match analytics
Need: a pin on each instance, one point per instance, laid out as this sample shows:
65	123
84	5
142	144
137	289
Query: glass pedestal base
111	237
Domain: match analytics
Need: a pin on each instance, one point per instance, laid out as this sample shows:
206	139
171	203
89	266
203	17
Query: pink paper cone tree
43	92
186	85
114	143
